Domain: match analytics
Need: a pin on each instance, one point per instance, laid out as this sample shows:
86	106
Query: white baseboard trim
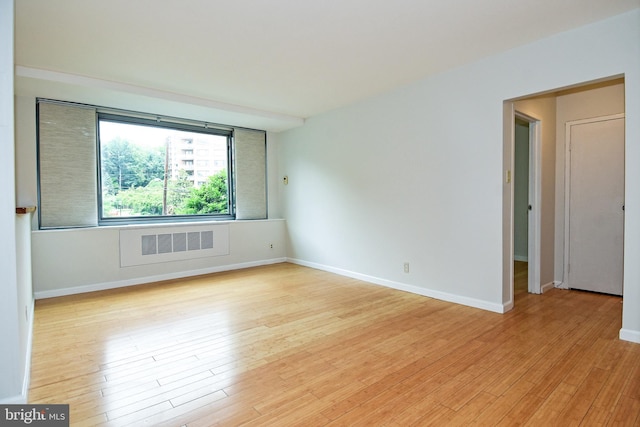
443	296
547	286
630	335
507	306
150	279
559	284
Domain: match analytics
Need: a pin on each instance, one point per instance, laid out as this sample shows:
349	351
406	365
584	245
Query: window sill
159	225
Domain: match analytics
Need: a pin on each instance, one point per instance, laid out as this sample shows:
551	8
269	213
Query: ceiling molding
286	121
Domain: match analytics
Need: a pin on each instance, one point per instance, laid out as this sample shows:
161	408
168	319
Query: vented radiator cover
139	246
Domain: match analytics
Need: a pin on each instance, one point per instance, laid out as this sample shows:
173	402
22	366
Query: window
101	166
139	178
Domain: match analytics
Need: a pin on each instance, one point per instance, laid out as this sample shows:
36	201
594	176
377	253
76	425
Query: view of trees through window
158	171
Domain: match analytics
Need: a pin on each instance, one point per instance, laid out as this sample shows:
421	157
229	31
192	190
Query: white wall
79	260
25	296
416	174
15	295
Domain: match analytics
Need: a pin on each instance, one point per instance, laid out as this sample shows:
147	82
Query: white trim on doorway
535	200
509	116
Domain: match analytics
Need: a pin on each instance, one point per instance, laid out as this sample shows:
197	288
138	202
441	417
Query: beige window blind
250	171
67	166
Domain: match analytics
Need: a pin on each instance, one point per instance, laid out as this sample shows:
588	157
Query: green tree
119	161
137	201
178	192
210	198
126	165
150	165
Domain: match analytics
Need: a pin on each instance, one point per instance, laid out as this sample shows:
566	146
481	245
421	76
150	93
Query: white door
596	205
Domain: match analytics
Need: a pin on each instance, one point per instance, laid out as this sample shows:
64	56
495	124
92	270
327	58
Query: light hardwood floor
285	345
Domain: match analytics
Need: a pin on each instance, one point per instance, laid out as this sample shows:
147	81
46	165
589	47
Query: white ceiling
294	58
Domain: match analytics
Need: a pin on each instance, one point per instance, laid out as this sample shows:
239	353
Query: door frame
509	116
567	187
535	200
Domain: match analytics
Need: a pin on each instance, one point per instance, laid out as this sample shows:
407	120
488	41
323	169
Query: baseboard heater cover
140	246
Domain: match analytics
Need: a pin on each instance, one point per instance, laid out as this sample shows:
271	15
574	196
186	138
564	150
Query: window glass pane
154	171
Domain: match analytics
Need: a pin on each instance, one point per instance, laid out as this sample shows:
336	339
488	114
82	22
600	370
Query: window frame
173	125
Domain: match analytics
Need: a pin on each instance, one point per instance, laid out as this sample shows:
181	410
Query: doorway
526	201
554	109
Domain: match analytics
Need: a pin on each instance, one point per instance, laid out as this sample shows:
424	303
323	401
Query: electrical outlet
406	267
270	245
